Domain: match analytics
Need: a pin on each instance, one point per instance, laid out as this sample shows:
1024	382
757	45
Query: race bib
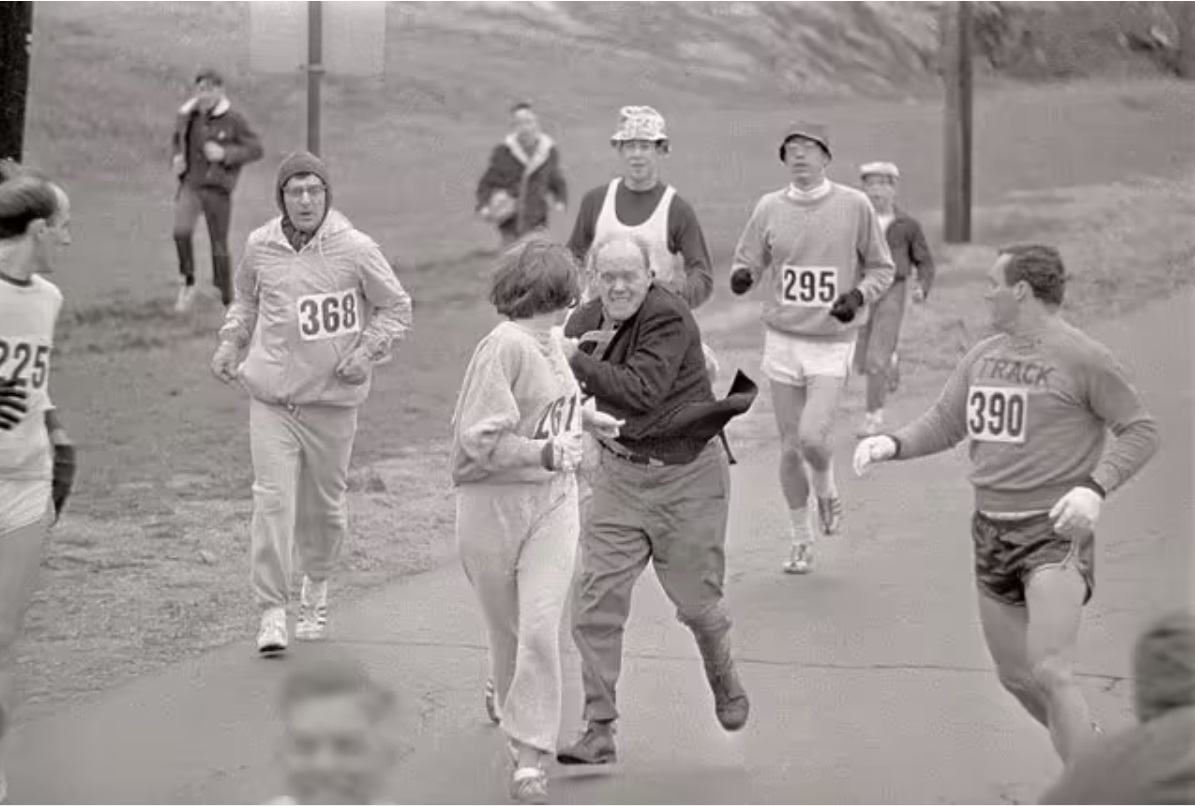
326	316
560	416
26	361
808	286
997	413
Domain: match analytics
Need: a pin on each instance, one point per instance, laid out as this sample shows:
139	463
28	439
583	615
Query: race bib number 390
326	316
997	413
25	362
808	286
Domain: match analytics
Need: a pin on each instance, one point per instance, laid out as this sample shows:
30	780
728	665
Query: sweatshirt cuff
1099	482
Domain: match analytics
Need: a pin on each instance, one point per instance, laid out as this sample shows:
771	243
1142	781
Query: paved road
869	679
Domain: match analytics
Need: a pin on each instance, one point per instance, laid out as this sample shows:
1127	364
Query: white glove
601	423
872	450
1076	512
568	450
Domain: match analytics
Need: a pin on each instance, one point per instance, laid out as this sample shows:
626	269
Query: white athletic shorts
22	502
792	359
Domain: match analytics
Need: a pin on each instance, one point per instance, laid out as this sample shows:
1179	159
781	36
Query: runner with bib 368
318	305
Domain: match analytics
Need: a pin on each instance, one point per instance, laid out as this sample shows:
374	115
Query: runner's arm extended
875	258
945	424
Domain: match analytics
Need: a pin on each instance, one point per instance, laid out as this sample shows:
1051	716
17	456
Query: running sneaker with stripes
313	610
829	514
272	638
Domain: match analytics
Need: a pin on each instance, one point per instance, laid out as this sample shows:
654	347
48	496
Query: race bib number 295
25	362
997	413
808	286
326	316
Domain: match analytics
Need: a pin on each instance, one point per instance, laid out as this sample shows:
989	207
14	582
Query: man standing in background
875	353
211	143
522	180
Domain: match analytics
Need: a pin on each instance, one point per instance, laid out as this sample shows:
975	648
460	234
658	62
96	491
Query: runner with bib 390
318	305
820	246
1035	401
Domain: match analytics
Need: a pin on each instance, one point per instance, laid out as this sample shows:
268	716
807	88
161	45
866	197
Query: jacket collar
531	162
219	109
335	223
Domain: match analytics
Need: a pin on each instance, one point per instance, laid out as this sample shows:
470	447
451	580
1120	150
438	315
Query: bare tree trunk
16	32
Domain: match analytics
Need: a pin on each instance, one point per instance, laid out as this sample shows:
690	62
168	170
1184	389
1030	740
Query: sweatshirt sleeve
752	251
641	384
874	255
247	147
583	228
487	415
242	314
685	236
945	424
1112	398
921	257
391	305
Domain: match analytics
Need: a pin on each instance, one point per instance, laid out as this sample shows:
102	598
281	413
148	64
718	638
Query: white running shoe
529	785
186	298
313	610
800	559
272	636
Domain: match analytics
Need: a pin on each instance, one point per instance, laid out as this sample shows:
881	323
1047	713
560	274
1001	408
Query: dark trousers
216	206
673	517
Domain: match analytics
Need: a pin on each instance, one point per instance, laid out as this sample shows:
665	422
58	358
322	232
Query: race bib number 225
326	316
808	286
25	362
997	413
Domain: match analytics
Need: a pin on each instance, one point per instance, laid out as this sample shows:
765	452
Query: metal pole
16	38
315	72
957	73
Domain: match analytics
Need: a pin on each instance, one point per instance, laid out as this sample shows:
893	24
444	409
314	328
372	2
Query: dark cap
810	131
209	74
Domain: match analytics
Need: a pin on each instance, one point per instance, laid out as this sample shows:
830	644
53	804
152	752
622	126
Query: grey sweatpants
300	477
675	516
518	546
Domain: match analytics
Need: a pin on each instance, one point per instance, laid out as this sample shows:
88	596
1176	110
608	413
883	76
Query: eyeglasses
315	192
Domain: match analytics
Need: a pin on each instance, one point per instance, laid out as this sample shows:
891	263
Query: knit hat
298	163
1164	666
888	169
810	131
639	123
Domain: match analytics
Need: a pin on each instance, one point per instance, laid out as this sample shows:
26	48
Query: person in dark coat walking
523	179
211	143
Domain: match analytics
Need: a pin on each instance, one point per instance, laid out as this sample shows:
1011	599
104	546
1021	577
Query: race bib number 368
25	362
997	413
326	316
808	286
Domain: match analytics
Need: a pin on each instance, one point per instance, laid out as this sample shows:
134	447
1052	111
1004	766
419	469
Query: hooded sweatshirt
303	311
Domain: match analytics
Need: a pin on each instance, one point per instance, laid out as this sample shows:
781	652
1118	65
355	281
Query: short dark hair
534	276
1041	267
210	75
334	677
519	106
24	198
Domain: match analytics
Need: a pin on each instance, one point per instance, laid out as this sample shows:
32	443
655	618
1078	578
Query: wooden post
1183	15
957	75
315	72
16	38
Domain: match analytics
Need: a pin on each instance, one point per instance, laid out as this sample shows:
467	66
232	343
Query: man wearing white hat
639	204
819	251
875	353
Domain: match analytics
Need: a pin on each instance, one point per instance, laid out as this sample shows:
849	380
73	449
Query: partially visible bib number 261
808	286
326	316
997	413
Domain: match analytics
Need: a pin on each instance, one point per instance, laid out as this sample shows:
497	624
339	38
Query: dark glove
847	305
741	281
64	476
12	405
